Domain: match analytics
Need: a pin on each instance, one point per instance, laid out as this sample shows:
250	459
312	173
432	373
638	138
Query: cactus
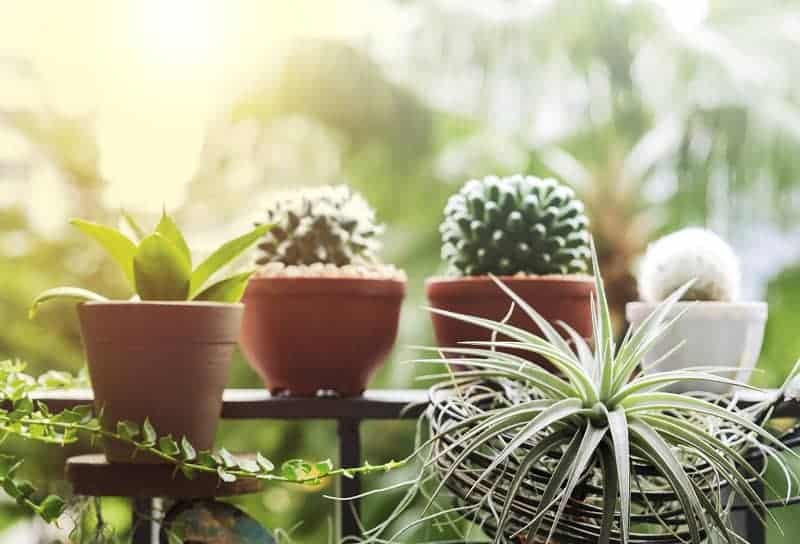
517	224
329	225
687	254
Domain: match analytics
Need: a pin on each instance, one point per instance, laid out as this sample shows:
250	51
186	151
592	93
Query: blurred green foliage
655	127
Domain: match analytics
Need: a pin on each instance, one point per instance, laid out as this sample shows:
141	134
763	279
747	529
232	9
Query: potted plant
595	454
321	313
715	327
165	353
532	234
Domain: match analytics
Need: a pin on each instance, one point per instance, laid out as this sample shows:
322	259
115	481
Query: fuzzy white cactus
686	254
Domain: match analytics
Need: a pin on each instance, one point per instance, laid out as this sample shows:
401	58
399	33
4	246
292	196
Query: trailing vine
23	416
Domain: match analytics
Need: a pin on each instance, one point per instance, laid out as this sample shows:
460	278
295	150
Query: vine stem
180	462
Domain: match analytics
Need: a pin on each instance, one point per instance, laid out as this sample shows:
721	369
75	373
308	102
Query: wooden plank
260	404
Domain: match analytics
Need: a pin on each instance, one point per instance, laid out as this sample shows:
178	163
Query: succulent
687	254
329	225
517	224
158	265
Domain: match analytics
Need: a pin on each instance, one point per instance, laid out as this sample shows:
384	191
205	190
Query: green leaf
119	246
128	219
618	428
323	468
8	465
149	436
222	256
296	469
167	228
558	411
653	448
128	429
160	270
228	459
56	379
587	449
168	445
249	465
550	492
265	464
227	290
528	462
188	450
51	508
610	490
24	489
549	332
58	293
206	459
225	476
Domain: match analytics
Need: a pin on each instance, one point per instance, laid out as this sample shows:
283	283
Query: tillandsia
329	225
25	416
691	253
158	265
517	224
596	452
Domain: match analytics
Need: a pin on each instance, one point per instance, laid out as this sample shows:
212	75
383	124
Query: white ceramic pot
722	334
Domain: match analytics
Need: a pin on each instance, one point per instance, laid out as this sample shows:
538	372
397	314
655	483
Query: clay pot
304	334
556	298
166	361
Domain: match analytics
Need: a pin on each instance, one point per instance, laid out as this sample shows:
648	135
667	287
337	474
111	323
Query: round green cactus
329	225
517	224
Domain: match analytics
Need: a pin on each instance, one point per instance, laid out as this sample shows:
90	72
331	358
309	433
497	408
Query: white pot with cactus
716	327
321	313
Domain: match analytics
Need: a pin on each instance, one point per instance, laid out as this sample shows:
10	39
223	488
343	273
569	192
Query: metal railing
349	413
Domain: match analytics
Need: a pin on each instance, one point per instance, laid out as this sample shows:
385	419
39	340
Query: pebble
321	270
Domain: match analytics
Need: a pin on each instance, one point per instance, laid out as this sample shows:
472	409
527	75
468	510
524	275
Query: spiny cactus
691	253
517	224
329	225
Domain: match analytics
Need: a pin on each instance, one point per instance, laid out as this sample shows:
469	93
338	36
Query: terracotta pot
303	335
557	298
166	361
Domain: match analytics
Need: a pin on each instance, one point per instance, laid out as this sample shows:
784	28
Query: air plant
596	452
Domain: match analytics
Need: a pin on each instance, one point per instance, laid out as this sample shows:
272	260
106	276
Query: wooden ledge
94	476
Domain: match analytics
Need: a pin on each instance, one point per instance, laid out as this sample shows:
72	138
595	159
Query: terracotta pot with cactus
716	327
532	234
321	314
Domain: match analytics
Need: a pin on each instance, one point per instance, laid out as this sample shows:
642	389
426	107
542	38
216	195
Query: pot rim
557	286
163	303
313	285
555	278
758	309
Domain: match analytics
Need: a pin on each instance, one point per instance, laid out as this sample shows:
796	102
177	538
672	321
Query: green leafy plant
329	225
517	224
159	265
596	452
24	416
